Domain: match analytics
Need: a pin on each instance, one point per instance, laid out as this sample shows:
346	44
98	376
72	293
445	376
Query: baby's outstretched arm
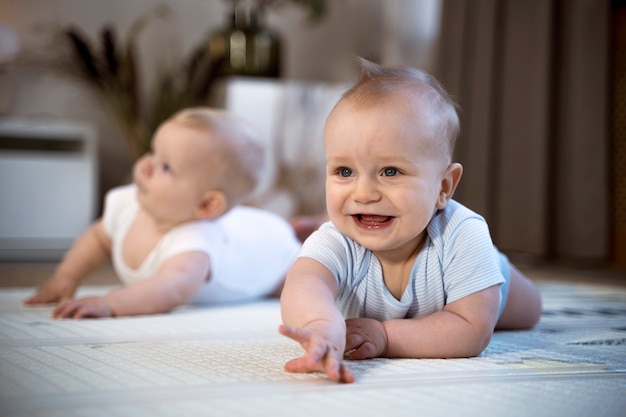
90	250
320	354
176	282
94	306
311	319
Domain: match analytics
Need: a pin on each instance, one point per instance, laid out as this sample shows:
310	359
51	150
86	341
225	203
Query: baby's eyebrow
338	161
393	159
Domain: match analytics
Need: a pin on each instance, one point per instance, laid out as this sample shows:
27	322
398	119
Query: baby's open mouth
373	221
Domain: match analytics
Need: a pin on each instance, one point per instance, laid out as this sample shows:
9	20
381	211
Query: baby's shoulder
328	239
455	218
121	196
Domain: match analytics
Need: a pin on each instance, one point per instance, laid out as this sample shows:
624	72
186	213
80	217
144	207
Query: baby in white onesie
179	234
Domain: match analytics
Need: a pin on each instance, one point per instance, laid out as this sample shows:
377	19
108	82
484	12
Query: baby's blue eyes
158	163
386	172
345	172
390	172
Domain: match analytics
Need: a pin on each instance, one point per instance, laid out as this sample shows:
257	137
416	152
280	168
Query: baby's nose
365	191
144	166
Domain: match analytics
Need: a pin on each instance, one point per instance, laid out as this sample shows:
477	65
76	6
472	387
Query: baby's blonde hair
379	82
237	163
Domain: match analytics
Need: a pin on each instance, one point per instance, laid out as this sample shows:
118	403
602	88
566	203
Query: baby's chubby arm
311	318
463	329
176	282
90	250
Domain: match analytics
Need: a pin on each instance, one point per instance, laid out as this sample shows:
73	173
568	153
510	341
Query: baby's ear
213	205
449	182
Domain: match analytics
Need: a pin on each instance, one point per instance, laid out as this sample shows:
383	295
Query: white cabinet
48	186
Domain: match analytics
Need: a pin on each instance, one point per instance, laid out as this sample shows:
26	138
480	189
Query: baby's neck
143	236
397	266
402	255
158	225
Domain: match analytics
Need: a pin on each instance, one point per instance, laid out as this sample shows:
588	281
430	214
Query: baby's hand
54	290
366	338
95	306
320	355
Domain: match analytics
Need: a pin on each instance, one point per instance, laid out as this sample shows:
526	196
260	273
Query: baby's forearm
298	312
439	335
308	301
87	253
141	299
178	280
308	294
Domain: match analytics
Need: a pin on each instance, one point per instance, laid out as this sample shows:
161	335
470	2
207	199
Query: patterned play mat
228	361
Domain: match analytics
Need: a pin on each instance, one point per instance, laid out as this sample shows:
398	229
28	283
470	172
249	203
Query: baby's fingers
40	298
300	365
315	348
335	368
365	351
345	375
65	309
319	356
33	300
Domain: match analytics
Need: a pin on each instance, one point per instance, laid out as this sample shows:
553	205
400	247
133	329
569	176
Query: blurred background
541	85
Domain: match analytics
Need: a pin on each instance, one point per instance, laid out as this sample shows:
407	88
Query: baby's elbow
181	297
483	328
474	349
483	343
478	343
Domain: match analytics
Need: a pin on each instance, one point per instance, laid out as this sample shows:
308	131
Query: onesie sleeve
117	202
469	262
343	257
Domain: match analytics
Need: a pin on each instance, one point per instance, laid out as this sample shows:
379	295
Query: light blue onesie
457	259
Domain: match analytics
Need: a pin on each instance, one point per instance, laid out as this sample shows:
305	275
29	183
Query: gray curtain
531	77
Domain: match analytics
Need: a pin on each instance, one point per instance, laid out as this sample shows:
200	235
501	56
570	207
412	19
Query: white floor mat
228	361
